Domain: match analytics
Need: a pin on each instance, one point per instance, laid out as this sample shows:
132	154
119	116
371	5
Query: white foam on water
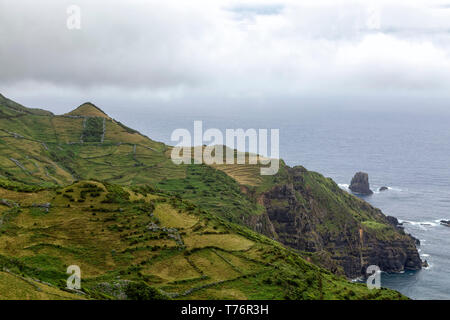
359	279
344	186
438	221
421	223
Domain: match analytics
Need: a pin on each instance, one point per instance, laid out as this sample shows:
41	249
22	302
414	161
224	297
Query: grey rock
46	206
360	184
8	203
392	220
445	223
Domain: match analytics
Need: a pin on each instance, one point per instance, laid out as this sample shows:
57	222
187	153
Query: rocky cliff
335	229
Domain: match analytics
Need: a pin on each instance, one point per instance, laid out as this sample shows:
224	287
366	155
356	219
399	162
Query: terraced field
122	235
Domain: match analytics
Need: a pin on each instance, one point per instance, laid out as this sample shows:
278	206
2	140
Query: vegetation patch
93	129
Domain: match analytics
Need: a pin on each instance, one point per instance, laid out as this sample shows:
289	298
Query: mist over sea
407	152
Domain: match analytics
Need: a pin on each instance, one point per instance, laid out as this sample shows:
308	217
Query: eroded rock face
304	215
393	221
360	183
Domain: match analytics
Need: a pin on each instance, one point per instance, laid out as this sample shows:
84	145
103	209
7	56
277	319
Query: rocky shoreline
325	230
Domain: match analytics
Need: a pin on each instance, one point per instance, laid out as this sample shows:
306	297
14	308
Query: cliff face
337	230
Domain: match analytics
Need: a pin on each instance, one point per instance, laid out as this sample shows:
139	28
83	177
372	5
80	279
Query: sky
227	55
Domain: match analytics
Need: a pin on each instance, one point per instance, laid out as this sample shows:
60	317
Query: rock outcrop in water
445	223
360	183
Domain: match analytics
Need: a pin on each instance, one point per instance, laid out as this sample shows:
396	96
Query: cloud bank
183	52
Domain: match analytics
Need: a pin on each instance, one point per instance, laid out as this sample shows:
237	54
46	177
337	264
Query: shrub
93	130
142	291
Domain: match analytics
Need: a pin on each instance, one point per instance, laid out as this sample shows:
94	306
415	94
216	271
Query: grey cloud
204	51
118	44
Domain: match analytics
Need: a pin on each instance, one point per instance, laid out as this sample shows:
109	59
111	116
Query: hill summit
88	109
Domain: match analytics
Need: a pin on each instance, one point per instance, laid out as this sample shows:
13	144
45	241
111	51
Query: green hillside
125	238
306	216
16	287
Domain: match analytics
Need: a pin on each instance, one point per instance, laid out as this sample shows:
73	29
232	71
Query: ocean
407	152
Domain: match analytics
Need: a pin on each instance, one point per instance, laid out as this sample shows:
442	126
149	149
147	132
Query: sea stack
360	184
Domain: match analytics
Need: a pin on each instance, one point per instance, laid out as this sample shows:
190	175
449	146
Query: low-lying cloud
180	50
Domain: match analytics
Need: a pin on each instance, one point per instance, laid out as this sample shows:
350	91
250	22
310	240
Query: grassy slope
14	287
46	149
90	110
188	253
